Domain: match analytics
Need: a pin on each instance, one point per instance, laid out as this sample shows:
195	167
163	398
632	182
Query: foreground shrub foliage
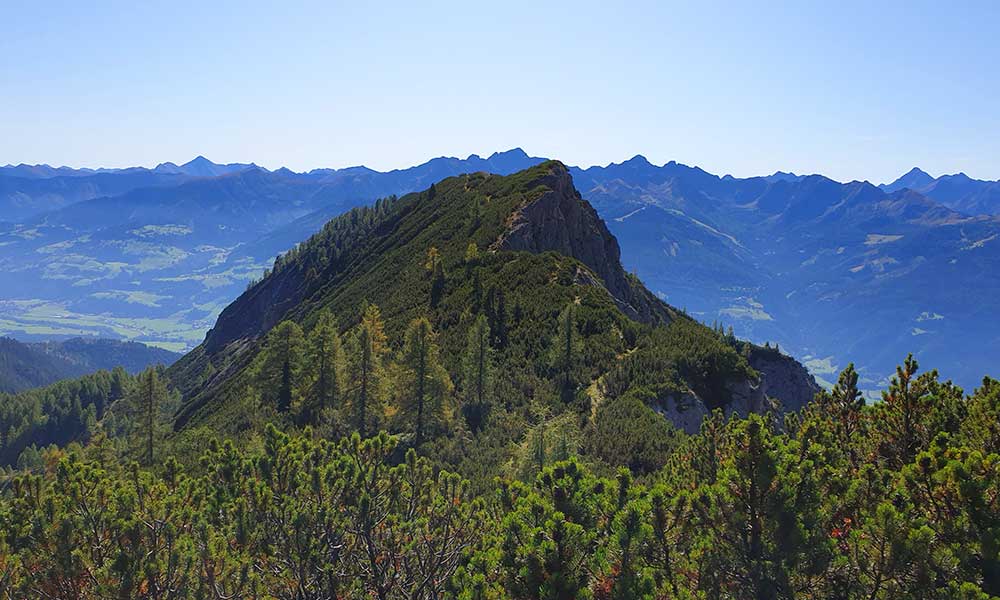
300	519
838	502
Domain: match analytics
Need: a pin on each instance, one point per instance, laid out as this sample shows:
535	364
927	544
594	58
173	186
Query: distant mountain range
959	191
197	167
29	190
28	365
833	272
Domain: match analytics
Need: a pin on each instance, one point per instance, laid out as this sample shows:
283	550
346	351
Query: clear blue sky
854	90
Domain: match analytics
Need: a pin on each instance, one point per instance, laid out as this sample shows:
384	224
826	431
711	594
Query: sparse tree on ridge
478	374
566	347
426	382
328	368
281	370
369	349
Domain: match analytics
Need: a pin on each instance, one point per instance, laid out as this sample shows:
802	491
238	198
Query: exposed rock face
783	379
257	310
685	412
784	386
560	220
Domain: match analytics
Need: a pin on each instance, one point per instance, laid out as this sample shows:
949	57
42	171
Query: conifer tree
471	258
499	328
494	307
631	533
982	427
328	367
148	400
847	404
477	291
369	350
901	411
426	381
758	532
283	361
475	214
435	267
478	373
119	383
566	346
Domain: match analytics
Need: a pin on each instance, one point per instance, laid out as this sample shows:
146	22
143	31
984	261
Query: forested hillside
25	365
460	393
895	500
73	411
521	251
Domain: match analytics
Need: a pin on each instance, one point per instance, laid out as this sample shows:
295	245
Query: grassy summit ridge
516	248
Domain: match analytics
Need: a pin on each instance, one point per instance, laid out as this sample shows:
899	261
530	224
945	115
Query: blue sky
854	90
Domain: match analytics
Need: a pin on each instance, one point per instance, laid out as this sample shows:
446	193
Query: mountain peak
198	161
511	161
784	176
915	178
560	220
639	161
512	153
536	210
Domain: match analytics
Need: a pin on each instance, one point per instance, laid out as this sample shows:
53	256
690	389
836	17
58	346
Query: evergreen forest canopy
418	403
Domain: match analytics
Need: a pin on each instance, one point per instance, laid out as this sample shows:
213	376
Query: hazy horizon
466	156
853	92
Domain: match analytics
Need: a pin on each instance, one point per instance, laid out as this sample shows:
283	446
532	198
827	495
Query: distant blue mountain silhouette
959	191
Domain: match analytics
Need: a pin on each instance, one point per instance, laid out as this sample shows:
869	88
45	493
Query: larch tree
280	374
426	381
327	366
369	349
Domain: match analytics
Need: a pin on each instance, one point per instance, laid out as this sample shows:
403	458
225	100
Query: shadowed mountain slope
29	365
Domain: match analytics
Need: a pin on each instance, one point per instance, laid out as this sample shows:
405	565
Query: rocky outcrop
560	220
685	411
784	386
783	379
256	310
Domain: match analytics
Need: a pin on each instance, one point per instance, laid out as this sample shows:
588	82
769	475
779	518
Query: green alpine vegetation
841	502
459	393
